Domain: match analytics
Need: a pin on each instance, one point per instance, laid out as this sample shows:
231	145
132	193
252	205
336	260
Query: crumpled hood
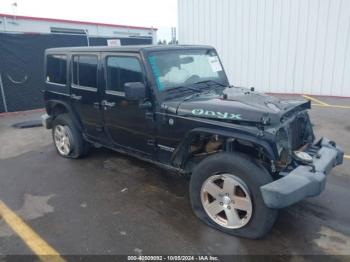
235	104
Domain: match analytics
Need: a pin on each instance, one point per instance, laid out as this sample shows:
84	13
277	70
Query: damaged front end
294	135
302	166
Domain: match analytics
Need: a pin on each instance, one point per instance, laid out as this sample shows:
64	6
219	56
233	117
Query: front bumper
305	180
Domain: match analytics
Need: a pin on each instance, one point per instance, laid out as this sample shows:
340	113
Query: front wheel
225	194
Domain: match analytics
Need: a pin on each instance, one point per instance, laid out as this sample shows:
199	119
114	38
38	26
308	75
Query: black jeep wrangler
248	154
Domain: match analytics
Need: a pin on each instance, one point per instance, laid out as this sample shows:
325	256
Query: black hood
235	104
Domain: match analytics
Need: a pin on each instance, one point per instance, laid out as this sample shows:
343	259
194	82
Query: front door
127	125
85	94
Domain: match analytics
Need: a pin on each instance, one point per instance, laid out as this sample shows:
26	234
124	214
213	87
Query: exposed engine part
285	158
273	166
213	145
302	157
206	145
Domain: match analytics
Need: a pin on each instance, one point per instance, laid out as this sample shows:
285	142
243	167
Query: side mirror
135	90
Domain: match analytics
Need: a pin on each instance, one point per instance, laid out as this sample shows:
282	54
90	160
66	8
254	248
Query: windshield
173	69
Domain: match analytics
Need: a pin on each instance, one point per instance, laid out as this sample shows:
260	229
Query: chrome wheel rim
62	139
226	200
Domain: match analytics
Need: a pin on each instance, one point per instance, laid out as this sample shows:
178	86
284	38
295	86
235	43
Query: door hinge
99	128
149	116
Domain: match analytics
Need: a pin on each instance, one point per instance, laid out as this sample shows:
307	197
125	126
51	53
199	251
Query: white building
278	46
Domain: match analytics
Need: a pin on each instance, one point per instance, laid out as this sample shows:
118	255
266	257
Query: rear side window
85	71
56	69
121	70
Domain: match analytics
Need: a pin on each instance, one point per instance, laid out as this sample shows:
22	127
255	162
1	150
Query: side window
56	69
85	71
121	70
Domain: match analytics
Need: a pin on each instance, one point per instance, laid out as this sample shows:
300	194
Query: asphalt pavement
108	203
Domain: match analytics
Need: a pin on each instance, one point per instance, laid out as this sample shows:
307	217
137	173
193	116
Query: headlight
281	140
303	156
282	145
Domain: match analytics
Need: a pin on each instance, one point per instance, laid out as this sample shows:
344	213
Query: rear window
56	69
85	71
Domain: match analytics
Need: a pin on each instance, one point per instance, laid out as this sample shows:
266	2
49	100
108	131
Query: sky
161	14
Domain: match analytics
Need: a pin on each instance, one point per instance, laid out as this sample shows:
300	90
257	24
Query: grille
297	132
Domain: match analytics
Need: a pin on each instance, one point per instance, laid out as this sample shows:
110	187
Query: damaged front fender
181	153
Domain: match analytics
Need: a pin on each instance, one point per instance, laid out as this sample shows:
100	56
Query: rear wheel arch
56	108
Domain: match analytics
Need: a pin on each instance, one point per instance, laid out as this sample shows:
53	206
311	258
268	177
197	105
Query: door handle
107	104
97	105
75	97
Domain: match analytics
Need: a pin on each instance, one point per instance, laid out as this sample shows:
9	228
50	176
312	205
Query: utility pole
3	94
173	35
14	6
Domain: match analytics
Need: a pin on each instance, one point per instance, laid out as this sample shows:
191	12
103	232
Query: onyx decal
220	115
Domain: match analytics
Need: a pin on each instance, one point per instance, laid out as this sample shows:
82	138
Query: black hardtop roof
130	48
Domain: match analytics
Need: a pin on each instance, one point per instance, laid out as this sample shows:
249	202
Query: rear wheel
67	138
63	139
225	194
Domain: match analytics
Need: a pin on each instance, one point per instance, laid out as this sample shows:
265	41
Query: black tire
252	174
79	147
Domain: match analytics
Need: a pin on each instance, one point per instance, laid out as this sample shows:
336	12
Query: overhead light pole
14	6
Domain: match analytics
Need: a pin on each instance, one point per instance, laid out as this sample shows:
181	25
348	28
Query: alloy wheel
62	138
226	200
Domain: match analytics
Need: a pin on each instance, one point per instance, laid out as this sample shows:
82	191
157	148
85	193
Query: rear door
126	124
85	92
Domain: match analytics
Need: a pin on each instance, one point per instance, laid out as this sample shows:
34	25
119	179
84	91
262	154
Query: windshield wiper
190	86
201	91
210	81
183	87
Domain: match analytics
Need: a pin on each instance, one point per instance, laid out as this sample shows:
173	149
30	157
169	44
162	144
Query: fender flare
53	103
180	156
